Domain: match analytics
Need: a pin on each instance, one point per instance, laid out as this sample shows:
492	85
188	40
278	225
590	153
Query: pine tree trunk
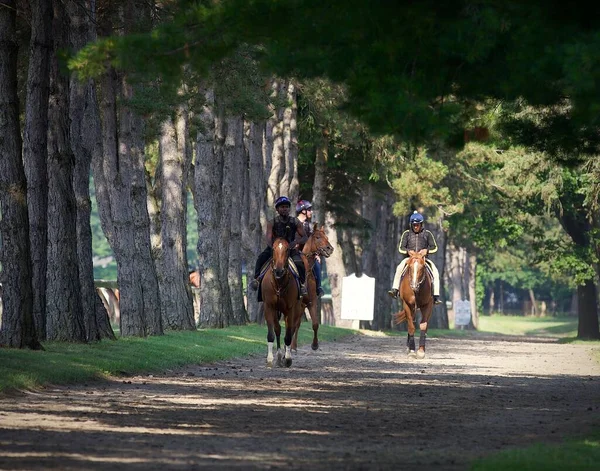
290	141
320	183
256	206
207	183
81	97
17	328
336	272
63	296
175	290
235	164
35	152
577	225
277	169
456	276
439	319
472	264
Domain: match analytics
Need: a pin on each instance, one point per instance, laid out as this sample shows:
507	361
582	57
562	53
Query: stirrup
320	292
436	299
303	291
254	284
393	293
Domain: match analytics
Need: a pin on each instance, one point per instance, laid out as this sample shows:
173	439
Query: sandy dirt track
359	403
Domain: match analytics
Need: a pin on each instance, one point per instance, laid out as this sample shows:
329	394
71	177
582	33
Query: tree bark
35	152
439	319
17	328
256	201
577	225
175	291
82	98
277	185
233	174
208	184
472	270
320	183
290	141
64	307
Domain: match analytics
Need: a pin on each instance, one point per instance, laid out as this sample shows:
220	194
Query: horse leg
290	329
296	331
426	314
410	324
270	336
278	337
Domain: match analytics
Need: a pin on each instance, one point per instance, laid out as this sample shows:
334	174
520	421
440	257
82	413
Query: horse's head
318	243
280	257
416	268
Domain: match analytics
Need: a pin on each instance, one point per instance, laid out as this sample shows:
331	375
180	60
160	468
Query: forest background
483	116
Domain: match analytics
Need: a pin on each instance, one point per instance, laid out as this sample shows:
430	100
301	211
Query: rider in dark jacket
304	215
417	238
291	229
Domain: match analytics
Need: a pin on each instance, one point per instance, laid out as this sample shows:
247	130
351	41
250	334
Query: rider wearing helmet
304	215
291	229
417	239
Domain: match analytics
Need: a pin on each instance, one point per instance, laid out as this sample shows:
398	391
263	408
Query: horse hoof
270	364
315	346
421	354
288	362
412	354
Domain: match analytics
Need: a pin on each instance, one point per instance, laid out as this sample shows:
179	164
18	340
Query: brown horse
280	297
317	244
415	292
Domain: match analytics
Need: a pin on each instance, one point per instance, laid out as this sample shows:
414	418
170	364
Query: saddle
265	268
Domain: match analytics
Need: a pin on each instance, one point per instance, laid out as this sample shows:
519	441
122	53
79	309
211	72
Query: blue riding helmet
302	205
282	200
416	218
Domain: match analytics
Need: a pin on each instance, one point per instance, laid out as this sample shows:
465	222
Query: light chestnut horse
316	245
280	298
415	292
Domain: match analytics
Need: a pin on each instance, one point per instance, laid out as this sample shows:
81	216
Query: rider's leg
436	281
297	258
395	285
317	273
262	259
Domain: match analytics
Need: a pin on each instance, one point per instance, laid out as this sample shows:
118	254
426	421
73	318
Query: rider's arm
432	245
270	236
403	245
300	232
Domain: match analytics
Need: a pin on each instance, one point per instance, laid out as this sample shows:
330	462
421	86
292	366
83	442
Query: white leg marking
288	352
423	326
270	353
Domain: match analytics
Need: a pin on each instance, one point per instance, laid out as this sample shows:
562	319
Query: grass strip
67	363
575	455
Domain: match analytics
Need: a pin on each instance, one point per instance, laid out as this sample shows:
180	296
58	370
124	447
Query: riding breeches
317	273
434	270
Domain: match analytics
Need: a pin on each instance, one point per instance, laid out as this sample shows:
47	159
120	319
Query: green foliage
64	363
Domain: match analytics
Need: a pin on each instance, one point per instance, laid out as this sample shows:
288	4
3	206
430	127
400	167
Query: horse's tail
399	317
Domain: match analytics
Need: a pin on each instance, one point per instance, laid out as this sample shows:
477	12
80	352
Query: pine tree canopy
409	66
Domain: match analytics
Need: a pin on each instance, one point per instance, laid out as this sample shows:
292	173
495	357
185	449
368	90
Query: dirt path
355	404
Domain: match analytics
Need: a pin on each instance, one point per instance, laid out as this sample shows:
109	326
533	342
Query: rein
275	283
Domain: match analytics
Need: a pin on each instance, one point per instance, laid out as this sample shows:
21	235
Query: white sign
358	297
462	312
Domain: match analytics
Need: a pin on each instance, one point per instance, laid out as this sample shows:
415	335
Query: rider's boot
320	291
436	299
254	284
393	293
303	291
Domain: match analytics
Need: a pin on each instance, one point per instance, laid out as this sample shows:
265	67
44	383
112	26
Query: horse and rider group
287	289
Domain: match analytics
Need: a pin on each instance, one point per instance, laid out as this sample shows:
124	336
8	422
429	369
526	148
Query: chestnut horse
280	297
317	244
415	292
